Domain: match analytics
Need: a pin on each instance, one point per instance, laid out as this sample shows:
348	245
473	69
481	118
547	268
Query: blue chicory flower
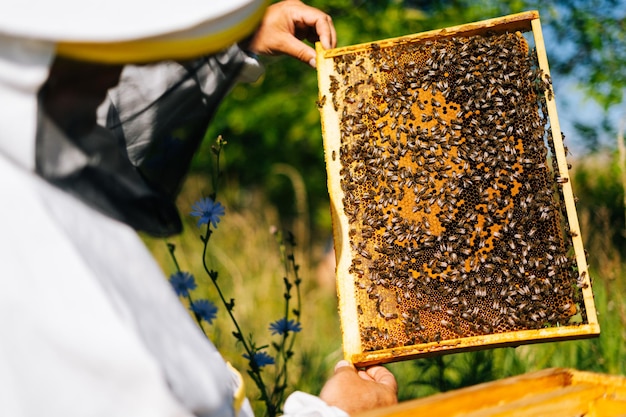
205	309
260	359
283	326
183	282
208	211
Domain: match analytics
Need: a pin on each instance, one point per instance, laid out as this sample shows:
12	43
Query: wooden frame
349	307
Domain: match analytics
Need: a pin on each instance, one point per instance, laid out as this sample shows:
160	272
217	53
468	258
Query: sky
573	105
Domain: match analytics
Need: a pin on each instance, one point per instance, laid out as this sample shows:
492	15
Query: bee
581	281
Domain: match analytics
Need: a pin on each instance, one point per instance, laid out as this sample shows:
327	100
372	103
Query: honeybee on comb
456	218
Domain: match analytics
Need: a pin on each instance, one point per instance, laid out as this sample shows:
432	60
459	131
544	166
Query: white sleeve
301	404
64	349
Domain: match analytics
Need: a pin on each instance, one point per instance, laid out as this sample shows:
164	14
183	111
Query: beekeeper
88	323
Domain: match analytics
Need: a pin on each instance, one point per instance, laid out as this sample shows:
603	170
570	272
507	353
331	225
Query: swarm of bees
456	222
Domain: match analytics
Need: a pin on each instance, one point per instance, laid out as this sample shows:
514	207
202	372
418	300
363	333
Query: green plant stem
217	149
297	281
196	315
171	248
256	378
441	369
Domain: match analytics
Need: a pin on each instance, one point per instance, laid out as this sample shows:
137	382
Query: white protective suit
89	325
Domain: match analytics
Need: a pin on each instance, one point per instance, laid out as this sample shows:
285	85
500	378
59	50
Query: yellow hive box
454	223
551	392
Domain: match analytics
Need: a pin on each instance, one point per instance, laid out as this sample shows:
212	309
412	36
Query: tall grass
245	254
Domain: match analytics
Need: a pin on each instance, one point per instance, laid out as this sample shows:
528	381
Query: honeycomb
457	225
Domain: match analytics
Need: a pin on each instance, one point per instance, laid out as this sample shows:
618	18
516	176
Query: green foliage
273	121
445	373
597	56
600	195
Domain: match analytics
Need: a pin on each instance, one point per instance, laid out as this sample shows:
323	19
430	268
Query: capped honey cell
452	216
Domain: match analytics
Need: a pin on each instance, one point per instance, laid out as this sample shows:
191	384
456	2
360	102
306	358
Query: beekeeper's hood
115	31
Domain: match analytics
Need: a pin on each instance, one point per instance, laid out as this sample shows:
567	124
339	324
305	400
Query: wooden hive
549	392
454	222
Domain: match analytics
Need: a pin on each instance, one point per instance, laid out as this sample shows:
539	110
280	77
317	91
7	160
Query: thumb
343	364
383	376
